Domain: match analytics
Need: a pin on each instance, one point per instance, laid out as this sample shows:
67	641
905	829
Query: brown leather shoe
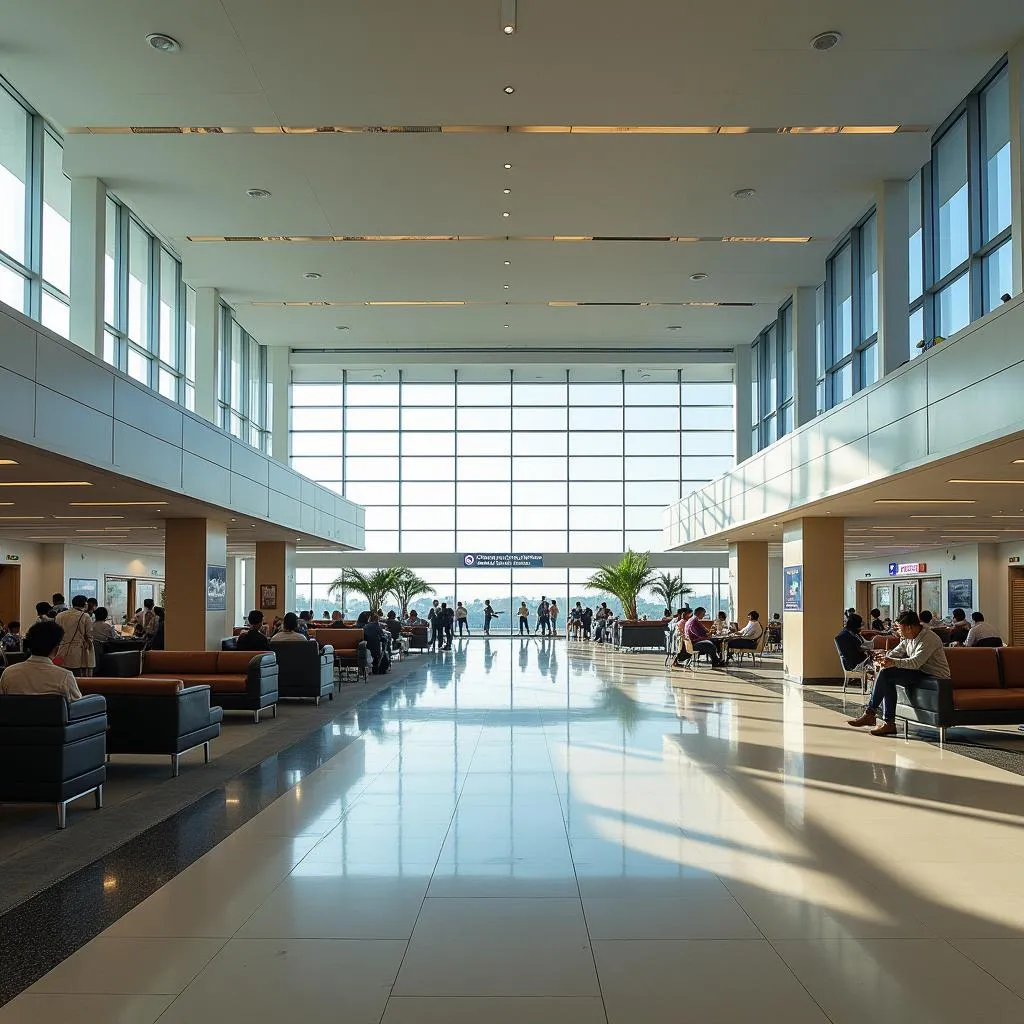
868	718
885	729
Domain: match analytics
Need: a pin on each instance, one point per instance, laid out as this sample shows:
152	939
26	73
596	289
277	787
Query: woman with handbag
76	651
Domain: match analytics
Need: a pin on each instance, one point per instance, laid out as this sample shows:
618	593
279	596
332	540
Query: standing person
575	620
57	605
10	642
461	618
448	625
43	612
157	641
543	622
553	617
434	620
91	605
524	619
76	648
587	622
489	614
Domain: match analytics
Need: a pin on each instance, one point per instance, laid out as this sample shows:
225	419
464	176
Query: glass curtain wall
149	311
243	392
35	216
771	360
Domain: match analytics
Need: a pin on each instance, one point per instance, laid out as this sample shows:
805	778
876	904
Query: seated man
252	638
747	638
919	655
10	642
854	652
289	630
379	643
927	619
876	620
700	639
981	630
960	630
679	625
103	629
38	674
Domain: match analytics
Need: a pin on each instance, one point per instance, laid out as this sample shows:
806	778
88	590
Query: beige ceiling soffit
501	129
323	239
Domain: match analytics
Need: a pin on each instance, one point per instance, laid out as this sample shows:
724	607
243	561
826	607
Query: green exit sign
14	558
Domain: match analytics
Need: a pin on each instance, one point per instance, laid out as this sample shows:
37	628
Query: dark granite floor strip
40	932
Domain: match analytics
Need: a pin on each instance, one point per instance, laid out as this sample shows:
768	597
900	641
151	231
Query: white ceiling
405	62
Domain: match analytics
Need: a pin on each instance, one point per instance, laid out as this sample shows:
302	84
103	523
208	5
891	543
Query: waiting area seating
345	644
238	680
634	635
52	751
305	671
986	687
156	716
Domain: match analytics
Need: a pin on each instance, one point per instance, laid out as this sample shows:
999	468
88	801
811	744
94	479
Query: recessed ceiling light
674	327
924	501
257	193
508	263
312	276
8	462
111	504
509	89
699	276
744	193
341	327
970	482
507	191
162	42
508	167
508	29
45	483
505	213
505	286
507	326
828	40
508	16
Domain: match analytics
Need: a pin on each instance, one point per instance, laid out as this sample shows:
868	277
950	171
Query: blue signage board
793	592
491	560
894	568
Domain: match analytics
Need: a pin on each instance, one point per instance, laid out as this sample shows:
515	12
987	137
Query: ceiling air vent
157	130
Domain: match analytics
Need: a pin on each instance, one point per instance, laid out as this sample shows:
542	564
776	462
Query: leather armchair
304	672
52	751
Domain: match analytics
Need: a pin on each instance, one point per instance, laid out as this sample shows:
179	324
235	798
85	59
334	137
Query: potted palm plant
375	586
407	587
669	588
625	580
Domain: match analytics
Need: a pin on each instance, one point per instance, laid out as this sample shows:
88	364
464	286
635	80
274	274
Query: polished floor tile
587	839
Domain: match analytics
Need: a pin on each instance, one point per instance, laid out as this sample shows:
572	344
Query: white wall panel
249	463
69	428
205	480
17	346
83	380
145	457
17	403
206	441
147	412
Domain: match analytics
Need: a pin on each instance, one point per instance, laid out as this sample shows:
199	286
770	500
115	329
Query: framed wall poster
793	588
87	588
960	594
268	597
216	588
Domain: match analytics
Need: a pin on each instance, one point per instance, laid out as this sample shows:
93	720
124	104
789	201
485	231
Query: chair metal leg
906	728
273	711
942	734
62	814
206	752
316	702
175	765
99	797
256	716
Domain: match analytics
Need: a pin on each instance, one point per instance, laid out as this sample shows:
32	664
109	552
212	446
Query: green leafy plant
669	588
625	580
407	587
375	586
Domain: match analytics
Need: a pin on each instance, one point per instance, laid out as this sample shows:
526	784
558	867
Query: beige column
812	551
196	561
275	565
748	578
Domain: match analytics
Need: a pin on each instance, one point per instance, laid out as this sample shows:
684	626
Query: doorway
1016	583
10	592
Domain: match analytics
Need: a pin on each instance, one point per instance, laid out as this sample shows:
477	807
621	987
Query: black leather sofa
52	751
304	671
157	716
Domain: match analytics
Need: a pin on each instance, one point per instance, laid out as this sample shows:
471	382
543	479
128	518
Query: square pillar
748	579
196	606
812	553
208	318
892	217
88	262
805	355
275	564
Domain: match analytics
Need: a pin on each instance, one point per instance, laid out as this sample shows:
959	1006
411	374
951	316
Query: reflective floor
542	832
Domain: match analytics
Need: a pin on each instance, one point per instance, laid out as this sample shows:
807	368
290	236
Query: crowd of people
715	639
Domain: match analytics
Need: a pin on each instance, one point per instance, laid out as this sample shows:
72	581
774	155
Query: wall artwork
216	588
87	588
793	588
960	594
268	597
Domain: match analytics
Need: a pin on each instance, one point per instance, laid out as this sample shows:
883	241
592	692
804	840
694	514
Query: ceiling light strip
551	303
322	239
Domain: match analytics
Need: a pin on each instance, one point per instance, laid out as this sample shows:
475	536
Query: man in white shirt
920	655
981	630
747	638
289	630
38	674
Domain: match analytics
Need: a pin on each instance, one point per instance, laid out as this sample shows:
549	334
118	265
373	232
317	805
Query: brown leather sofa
238	680
345	643
156	716
986	687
